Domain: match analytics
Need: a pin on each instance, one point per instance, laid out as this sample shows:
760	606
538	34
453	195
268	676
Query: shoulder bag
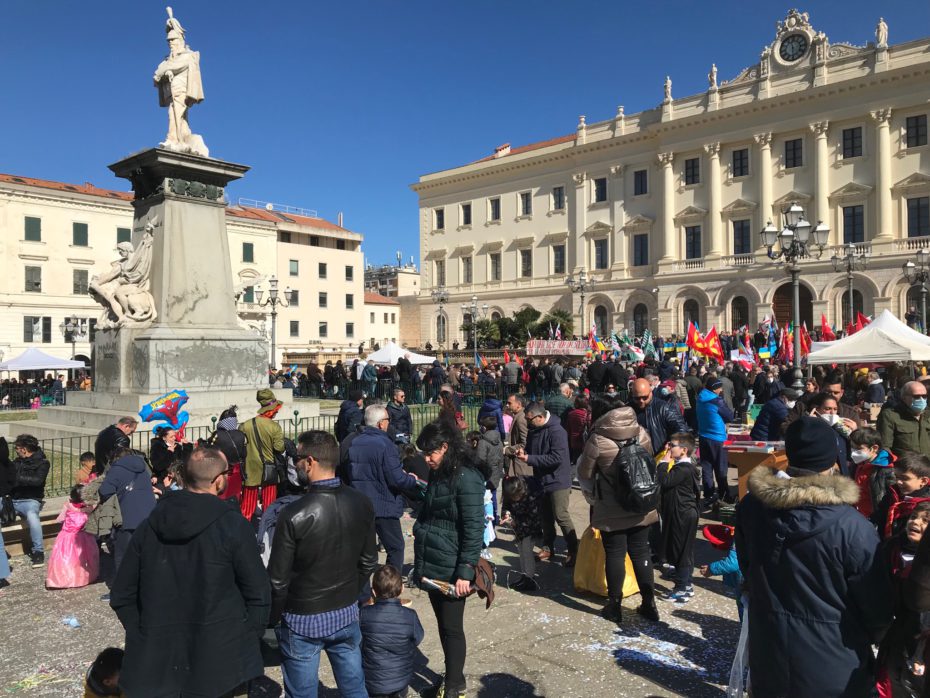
271	474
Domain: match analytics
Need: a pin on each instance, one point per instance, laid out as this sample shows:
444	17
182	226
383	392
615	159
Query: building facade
382	320
664	208
393	280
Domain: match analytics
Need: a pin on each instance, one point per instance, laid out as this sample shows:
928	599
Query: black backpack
635	474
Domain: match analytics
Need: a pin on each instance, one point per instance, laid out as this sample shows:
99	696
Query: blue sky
340	106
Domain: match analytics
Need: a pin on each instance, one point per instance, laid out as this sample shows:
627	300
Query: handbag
271	473
7	512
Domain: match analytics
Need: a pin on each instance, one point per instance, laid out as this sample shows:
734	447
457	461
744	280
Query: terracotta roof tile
378	299
86	188
532	146
279	217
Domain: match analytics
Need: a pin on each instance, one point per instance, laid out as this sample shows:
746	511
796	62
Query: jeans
450	616
555	509
4	563
392	538
616	545
29	509
714	464
300	661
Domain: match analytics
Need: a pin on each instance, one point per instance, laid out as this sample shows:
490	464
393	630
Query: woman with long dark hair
447	541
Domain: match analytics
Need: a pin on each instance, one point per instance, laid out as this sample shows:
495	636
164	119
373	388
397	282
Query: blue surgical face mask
919	404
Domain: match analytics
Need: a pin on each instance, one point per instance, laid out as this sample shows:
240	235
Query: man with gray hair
561	402
375	470
111	438
903	427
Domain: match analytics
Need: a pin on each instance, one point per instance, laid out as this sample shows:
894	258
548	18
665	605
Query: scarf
230	423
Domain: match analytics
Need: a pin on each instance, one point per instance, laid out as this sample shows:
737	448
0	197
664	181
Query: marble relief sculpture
179	87
123	291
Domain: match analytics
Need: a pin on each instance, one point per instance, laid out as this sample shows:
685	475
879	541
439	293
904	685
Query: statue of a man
712	77
881	33
668	89
178	81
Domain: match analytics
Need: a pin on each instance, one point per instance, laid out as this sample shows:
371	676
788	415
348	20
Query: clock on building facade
793	47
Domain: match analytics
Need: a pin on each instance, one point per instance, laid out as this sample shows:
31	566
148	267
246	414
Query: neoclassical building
664	208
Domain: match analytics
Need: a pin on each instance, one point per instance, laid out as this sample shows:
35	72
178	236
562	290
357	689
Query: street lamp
797	241
852	260
273	300
72	329
581	285
919	273
440	297
473	310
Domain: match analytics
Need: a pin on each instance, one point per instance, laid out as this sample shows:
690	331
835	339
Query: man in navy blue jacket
130	480
546	452
376	471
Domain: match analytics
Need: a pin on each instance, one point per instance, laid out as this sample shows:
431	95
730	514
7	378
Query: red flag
506	357
518	359
805	340
694	340
826	332
850	329
861	320
713	346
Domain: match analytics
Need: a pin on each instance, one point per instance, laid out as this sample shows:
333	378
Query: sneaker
525	584
440	690
681	595
667	571
543	555
38	559
486	554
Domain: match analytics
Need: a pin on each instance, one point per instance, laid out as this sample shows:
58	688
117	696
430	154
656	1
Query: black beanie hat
810	444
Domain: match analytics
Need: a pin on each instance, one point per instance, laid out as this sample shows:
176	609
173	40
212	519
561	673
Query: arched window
915	301
600	321
857	306
441	329
495	316
739	313
690	313
640	319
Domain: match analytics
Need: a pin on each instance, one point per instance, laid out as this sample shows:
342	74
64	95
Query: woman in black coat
166	450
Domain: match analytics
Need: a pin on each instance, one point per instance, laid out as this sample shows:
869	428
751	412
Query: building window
323	299
600	254
284	236
916	129
123	235
794	153
33	232
741	162
440	268
79	234
385	318
441	329
692	171
294	300
494	209
37	329
526	203
693	242
640	318
742	237
466	270
526	263
295	328
294	267
466	214
248	252
350	330
600	189
314	241
739	313
558	198
439	219
691	313
853	224
640	250
79	278
393	318
558	259
350	301
248	294
321	270
852	142
340	244
600	320
640	182
495	266
371	318
323	330
33	279
918	217
350	273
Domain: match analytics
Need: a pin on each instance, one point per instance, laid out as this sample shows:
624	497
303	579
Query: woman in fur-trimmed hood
819	595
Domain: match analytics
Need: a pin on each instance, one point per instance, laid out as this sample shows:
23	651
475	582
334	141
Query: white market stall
390	353
37	360
886	322
873	344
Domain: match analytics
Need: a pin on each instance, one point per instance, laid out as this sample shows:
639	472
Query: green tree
558	317
513	330
488	331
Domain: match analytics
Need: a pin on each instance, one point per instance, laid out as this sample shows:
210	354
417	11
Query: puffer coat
594	468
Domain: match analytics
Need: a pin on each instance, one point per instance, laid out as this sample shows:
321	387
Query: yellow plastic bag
590	574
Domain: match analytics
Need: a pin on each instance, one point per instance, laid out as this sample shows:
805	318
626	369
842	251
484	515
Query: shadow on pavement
505	686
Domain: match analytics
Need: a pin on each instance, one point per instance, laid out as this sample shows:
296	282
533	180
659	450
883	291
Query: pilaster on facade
882	119
822	168
667	161
714	214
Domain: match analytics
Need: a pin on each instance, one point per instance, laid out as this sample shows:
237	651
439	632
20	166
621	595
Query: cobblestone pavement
552	643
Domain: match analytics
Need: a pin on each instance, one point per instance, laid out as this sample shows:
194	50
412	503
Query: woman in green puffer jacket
447	541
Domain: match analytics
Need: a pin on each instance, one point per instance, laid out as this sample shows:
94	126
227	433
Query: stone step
16	535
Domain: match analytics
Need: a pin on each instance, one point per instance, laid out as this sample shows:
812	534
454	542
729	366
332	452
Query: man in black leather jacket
322	555
660	418
111	438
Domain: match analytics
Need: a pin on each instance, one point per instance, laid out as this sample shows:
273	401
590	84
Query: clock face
793	47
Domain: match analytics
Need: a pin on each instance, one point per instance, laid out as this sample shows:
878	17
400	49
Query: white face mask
791	403
831	419
771	379
860	456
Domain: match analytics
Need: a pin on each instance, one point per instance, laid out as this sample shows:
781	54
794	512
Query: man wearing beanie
819	596
713	415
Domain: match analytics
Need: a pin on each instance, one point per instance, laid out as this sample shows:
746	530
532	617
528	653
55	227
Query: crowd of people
826	559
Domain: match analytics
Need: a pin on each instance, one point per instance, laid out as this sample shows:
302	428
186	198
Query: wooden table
747	461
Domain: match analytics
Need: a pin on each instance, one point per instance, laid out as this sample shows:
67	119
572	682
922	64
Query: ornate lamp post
440	296
582	285
852	260
273	300
919	273
72	329
474	309
797	241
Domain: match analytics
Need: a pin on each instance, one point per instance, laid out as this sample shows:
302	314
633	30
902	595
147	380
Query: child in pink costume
75	559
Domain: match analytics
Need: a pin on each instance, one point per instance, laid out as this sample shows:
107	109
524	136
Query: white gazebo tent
886	322
390	353
37	360
871	345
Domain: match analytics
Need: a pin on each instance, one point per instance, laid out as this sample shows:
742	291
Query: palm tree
558	317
